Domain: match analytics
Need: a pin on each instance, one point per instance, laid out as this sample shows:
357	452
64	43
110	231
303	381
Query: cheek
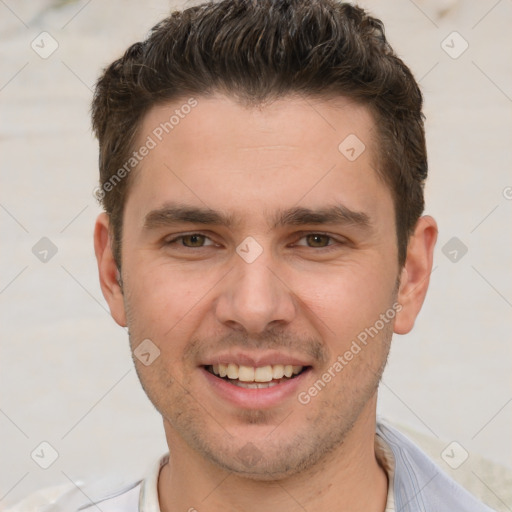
168	303
165	301
345	301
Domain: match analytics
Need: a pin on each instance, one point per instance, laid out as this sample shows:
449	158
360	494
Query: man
262	166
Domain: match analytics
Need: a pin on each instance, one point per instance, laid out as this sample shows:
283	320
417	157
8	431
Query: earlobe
110	278
415	275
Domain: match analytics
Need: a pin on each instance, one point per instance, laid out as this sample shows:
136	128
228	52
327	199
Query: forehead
299	151
220	123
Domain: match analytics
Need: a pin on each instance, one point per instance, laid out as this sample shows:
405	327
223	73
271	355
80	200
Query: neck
347	479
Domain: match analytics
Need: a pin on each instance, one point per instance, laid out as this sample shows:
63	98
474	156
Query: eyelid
334	241
341	240
176	237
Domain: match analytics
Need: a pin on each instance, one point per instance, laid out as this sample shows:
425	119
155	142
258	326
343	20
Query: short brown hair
257	51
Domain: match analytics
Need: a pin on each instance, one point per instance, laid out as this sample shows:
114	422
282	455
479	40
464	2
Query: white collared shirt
143	496
415	484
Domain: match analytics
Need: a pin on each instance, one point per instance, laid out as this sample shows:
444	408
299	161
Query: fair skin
316	285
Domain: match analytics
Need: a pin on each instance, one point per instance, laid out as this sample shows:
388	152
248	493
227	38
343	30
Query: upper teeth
259	374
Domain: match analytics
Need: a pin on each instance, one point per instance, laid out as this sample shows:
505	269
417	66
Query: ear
415	275
108	271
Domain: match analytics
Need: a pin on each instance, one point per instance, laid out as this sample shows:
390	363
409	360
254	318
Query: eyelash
326	248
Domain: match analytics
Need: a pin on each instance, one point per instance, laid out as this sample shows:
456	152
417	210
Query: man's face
279	285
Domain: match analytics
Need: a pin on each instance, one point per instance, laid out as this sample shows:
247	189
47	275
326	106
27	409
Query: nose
254	296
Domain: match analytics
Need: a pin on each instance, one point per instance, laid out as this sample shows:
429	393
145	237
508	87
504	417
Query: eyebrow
337	214
175	213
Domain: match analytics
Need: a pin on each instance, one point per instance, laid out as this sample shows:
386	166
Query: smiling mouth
261	377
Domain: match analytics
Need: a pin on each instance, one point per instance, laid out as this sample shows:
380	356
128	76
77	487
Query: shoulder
123	500
419	484
98	495
80	498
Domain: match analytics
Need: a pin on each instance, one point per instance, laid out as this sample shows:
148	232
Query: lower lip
259	398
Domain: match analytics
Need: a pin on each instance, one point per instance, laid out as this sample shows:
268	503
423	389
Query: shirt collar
148	500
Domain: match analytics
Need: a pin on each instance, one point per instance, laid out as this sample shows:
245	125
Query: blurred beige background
66	373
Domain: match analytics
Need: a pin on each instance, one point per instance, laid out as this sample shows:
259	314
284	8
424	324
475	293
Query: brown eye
189	241
195	240
318	240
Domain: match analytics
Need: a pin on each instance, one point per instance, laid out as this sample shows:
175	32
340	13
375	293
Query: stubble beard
280	454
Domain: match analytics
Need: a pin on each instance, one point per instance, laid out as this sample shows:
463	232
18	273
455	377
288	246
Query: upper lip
254	359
